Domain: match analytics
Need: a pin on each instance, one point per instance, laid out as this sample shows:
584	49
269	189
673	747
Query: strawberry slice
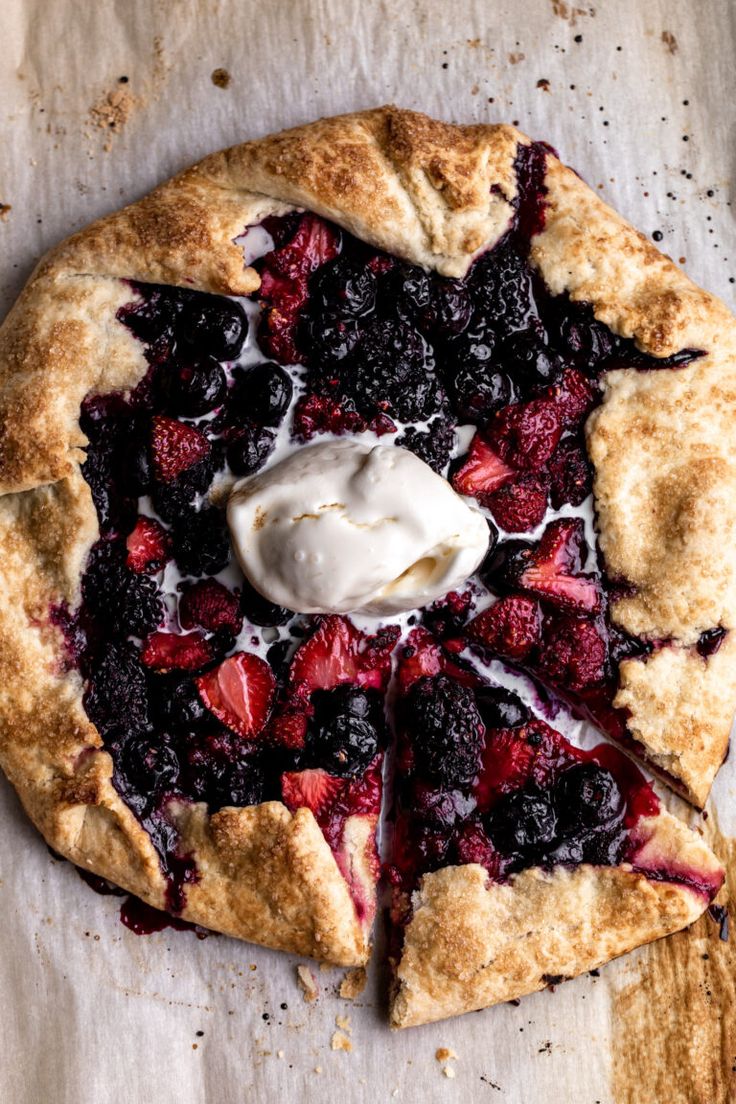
329	657
313	243
553	569
164	651
209	605
511	627
239	692
483	471
148	545
314	789
175	447
337	652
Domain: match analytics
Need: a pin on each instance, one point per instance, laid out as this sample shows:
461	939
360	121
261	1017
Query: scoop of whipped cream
346	527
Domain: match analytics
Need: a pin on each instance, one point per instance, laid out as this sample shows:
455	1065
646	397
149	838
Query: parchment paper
100	100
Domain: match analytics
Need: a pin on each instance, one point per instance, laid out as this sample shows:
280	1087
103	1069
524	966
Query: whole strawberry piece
175	447
148	546
240	692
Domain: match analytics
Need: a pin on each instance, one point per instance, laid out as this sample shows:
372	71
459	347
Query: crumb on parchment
353	984
340	1041
307	984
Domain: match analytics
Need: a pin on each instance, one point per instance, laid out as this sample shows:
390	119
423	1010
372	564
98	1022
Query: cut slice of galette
519	860
451	291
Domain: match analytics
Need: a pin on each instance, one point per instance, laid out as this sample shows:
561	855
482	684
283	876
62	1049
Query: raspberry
526	434
520	507
472	845
321	414
573	653
209	605
511	627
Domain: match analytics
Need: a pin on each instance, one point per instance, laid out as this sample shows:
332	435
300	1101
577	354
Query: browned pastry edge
471	943
434	194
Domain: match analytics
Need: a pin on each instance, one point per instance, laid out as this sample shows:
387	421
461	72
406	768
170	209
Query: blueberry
449	309
347	284
177	702
522	822
258	610
263	393
212	325
250	449
149	763
587	795
529	361
191	387
155	316
330	338
501	708
477	392
438	807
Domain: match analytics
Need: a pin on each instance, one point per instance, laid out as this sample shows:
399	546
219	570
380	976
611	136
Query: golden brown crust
472	943
424	190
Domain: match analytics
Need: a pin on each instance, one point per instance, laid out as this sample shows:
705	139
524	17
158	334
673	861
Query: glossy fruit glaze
191	676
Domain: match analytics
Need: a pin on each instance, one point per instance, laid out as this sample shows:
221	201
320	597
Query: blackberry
201	542
116	511
447	732
242	784
249	449
117	689
434	445
347	284
258	610
343	735
191	388
390	373
263	393
522	822
126	603
212	324
501	285
501	708
447	617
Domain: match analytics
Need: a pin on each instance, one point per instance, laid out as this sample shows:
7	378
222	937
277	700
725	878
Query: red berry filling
381	342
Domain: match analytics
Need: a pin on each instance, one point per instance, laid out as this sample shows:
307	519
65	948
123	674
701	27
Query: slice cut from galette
519	859
451	291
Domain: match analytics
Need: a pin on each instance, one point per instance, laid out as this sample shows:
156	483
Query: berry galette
307	459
